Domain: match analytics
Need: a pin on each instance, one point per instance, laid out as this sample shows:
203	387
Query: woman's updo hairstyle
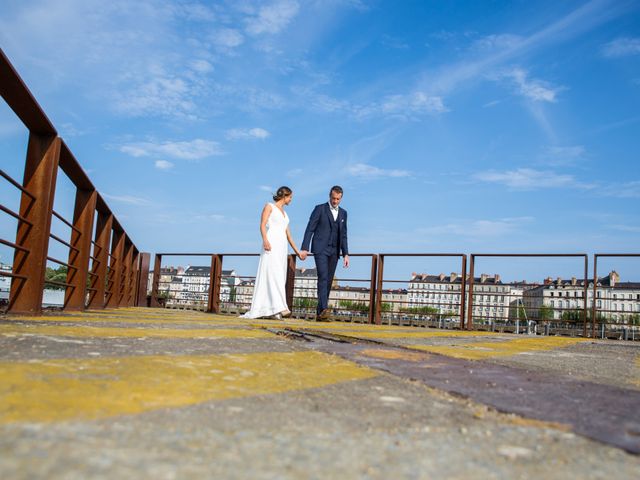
281	193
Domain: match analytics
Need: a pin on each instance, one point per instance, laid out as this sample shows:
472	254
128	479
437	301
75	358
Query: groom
328	227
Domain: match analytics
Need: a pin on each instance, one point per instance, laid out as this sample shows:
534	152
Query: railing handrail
47	154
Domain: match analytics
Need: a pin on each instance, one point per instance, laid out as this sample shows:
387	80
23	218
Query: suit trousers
326	268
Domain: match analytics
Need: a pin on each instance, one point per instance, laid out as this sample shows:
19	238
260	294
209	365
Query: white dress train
269	294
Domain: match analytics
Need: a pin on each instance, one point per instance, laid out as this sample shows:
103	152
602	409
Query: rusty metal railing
461	300
615	309
217	292
490	302
92	279
434	302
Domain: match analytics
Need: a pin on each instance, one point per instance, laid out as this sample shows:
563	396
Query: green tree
305	302
573	315
386	307
545	312
420	310
354	306
634	319
55	275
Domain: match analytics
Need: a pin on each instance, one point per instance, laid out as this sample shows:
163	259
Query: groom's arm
343	243
344	246
311	228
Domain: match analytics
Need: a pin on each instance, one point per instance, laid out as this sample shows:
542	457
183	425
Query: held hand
303	254
345	263
266	245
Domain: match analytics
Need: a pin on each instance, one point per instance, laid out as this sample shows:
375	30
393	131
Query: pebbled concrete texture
247	403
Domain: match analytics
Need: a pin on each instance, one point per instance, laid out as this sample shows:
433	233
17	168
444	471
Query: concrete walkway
163	394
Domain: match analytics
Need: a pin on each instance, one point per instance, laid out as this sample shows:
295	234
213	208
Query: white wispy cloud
163	165
528	179
161	95
416	102
364	170
404	105
273	18
478	228
498	41
533	89
192	150
266	188
394	42
247	134
228	38
572	151
622	47
128	199
505	48
492	103
621	190
563	155
201	66
194	11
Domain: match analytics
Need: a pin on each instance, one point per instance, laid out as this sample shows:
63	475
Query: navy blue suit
328	239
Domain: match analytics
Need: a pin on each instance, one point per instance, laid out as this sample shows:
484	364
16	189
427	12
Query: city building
191	286
5	283
167	276
441	295
563	299
305	284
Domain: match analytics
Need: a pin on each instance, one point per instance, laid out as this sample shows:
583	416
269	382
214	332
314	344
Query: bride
269	296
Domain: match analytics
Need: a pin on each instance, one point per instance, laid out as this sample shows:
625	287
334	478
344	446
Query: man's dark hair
337	189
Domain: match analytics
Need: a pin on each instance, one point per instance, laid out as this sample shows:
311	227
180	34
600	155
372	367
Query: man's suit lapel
327	211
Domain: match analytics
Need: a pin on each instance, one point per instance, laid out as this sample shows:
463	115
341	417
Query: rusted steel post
212	281
372	289
377	315
585	292
291	280
127	264
40	173
463	291
115	280
470	296
155	283
215	280
83	215
104	224
143	280
133	278
595	291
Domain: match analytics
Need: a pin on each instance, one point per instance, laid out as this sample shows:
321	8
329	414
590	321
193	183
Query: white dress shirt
334	211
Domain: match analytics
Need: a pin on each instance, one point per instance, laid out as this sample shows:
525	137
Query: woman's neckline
281	209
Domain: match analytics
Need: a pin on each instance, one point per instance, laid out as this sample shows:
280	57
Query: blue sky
452	125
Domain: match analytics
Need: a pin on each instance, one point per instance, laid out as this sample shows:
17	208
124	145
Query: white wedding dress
269	295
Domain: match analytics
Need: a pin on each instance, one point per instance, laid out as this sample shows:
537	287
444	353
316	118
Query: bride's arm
266	211
292	243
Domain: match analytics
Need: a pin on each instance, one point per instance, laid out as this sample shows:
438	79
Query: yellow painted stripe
130	320
84	331
482	350
374	333
67	389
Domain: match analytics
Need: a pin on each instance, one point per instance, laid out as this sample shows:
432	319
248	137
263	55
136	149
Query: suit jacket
319	227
